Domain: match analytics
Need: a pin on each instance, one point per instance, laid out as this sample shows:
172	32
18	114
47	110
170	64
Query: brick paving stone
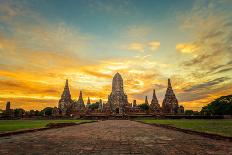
112	137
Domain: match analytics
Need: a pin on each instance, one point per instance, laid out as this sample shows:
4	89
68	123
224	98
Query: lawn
13	125
221	127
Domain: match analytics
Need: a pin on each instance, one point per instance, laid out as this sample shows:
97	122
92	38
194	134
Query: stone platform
112	137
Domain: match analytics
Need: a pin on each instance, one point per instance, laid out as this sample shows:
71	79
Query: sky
44	42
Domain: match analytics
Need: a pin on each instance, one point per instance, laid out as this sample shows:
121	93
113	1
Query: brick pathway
112	137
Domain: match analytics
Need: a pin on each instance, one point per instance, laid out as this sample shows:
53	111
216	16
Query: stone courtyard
112	137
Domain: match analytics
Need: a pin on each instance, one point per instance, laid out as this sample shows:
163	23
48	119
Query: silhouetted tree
188	112
220	106
94	106
144	106
47	111
19	112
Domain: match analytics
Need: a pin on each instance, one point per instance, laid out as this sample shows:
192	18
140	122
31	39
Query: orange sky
38	52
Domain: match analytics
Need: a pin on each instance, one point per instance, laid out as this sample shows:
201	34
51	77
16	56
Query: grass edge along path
28	126
172	124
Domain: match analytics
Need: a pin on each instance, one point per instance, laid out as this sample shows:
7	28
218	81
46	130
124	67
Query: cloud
207	84
37	57
136	47
142	47
208	25
154	45
186	47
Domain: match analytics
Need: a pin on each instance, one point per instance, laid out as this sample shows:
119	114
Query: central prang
117	98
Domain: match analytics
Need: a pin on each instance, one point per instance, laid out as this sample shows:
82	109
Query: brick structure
118	99
154	106
170	102
117	104
65	103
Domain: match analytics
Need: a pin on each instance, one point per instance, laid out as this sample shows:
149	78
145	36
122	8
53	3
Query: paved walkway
112	137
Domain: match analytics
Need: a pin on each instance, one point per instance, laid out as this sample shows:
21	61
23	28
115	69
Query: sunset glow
43	43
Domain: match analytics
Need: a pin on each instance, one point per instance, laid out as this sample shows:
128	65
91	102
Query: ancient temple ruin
80	102
170	102
154	106
65	103
117	98
117	104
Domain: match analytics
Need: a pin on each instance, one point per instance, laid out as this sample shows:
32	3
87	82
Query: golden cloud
136	47
186	47
154	45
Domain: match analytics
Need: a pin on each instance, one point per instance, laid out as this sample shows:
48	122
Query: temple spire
80	102
66	93
169	83
154	106
154	95
65	100
146	101
170	102
80	95
88	101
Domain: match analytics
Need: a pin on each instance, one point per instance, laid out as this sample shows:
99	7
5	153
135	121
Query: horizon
43	43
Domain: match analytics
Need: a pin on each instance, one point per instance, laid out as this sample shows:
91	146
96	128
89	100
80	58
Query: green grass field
221	127
13	125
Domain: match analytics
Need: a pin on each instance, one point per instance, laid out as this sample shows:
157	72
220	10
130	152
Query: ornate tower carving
146	101
65	102
88	103
170	102
154	106
80	102
117	99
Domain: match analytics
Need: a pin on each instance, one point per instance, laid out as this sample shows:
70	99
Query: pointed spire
66	83
66	92
65	100
154	106
169	83
80	101
80	95
146	101
170	102
154	95
88	101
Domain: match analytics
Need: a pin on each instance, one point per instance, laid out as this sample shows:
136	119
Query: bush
220	106
144	106
188	112
94	106
47	111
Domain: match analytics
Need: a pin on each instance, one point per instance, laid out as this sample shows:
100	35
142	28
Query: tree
188	112
220	106
47	111
19	112
144	106
94	106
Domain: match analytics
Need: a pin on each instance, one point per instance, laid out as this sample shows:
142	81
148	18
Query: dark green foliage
37	113
19	112
144	106
220	106
47	111
188	112
94	106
